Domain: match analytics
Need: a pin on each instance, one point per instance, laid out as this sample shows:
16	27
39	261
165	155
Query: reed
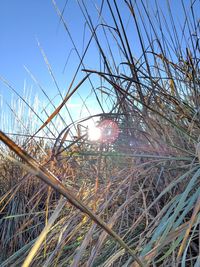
138	197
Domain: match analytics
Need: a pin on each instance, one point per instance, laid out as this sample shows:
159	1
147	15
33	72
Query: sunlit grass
135	198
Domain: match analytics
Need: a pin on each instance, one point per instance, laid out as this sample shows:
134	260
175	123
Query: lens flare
109	131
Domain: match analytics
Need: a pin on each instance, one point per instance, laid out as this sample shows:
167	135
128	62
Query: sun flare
94	133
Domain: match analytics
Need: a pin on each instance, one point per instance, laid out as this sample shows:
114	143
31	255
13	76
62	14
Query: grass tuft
132	202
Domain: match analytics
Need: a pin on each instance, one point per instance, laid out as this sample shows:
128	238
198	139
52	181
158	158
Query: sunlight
94	133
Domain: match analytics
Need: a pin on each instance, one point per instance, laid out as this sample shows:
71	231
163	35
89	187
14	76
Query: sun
106	131
94	133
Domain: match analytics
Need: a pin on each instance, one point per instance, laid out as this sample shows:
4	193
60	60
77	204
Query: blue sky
23	22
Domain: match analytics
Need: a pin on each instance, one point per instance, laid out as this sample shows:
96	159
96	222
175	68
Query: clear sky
23	22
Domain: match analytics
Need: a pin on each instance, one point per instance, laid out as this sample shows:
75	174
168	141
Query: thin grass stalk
43	234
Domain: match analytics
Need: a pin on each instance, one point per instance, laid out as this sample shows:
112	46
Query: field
126	192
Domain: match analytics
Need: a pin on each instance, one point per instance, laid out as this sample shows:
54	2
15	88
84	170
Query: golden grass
139	203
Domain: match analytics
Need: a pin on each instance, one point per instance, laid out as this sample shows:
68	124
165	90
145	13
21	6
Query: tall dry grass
139	197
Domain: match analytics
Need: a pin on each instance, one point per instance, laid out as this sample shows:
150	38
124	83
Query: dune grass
135	202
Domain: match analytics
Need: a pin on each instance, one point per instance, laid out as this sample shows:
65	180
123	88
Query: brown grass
139	203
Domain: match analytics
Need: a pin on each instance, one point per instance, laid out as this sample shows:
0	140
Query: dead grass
127	205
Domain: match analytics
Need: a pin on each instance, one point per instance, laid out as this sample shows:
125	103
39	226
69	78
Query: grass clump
143	190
